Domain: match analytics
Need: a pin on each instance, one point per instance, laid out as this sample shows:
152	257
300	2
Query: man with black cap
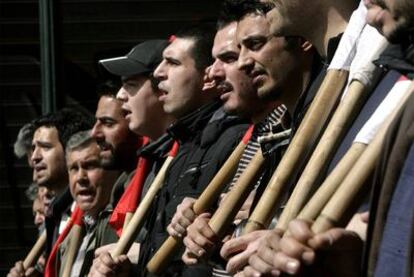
139	94
139	91
143	113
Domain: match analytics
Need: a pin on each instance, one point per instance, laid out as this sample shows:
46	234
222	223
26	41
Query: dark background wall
88	31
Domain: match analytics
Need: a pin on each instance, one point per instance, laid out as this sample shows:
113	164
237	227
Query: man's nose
217	71
96	131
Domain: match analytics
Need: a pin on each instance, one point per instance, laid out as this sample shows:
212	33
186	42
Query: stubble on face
264	52
116	141
180	81
236	89
48	158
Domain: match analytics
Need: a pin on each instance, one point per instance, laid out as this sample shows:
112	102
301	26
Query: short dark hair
154	81
67	122
226	15
203	35
235	10
108	88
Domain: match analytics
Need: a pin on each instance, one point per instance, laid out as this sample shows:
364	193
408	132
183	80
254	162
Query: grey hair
32	191
79	140
23	142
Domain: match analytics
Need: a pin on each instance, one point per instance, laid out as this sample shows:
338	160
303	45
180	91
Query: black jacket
60	205
206	137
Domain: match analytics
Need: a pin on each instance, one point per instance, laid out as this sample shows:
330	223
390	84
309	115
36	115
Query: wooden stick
138	219
364	75
356	178
331	183
128	217
223	177
73	248
301	145
235	198
339	124
353	182
36	252
209	196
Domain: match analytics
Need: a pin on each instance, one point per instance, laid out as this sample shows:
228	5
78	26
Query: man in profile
51	133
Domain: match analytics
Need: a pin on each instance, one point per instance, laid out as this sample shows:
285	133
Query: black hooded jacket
206	137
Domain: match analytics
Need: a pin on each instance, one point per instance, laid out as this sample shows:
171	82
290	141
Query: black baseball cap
142	59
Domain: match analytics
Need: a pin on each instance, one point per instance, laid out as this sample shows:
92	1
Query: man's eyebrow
105	118
42	143
91	161
227	54
171	59
253	36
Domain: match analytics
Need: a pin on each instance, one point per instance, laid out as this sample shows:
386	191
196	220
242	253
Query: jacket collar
408	47
157	149
191	125
60	204
399	57
394	57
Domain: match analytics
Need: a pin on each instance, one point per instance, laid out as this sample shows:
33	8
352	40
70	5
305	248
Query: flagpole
140	174
312	125
35	252
128	217
364	77
138	219
209	196
73	248
355	181
319	199
235	198
299	147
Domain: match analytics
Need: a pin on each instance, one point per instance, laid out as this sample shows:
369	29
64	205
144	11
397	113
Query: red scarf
51	266
130	199
132	194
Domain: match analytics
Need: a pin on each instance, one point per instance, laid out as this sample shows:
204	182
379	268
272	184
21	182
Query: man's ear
305	45
209	83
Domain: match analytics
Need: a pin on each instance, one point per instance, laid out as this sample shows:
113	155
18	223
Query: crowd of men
189	103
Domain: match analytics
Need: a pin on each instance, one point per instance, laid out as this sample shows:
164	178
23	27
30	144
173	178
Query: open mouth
85	195
163	94
103	145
